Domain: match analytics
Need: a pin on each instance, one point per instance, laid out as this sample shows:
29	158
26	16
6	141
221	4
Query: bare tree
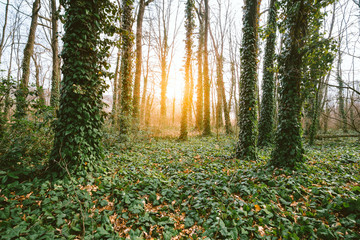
221	32
2	40
138	58
22	91
165	45
55	79
145	77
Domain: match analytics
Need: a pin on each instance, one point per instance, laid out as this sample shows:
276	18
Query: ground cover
160	188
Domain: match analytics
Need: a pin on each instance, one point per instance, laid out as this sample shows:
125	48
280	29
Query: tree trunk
39	87
266	122
78	134
143	99
191	94
2	41
55	79
23	90
207	127
126	69
246	147
8	100
114	110
343	122
189	25
199	87
219	104
138	60
288	149
149	104
164	82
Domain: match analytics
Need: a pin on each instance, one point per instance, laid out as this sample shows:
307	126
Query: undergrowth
161	188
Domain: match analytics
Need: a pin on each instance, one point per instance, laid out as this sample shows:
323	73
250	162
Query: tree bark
39	87
199	87
114	110
4	29
207	127
341	100
22	91
55	79
138	60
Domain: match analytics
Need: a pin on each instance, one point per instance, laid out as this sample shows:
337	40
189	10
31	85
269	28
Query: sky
347	21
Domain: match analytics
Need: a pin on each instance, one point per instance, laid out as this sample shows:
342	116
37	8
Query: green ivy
80	117
246	147
266	121
288	151
127	37
189	26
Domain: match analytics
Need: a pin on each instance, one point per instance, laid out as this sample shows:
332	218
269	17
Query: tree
199	86
164	45
145	86
266	122
2	40
55	79
220	32
207	127
246	147
288	150
127	41
78	134
189	25
22	91
343	122
117	87
319	60
39	86
136	96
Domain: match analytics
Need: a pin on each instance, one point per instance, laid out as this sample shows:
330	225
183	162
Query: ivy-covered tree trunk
288	149
138	60
126	69
219	104
55	78
207	127
78	135
189	26
199	86
246	146
23	89
266	122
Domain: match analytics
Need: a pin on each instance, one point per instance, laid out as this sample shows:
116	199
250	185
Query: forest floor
160	188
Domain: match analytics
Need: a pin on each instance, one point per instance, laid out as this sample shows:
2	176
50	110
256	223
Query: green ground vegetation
161	188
